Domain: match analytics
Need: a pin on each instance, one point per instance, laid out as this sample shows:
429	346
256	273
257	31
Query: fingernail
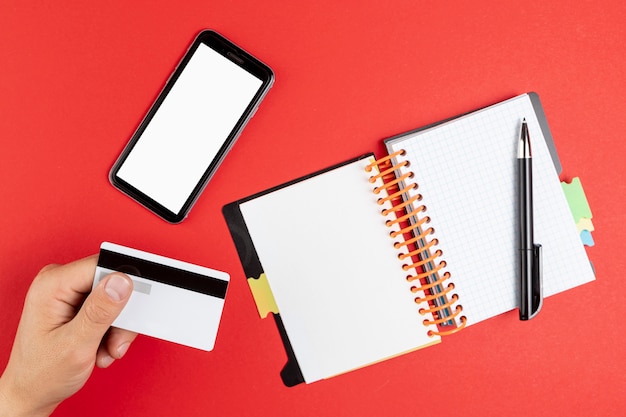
122	349
117	288
106	361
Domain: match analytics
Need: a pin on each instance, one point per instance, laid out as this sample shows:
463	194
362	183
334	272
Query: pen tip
523	147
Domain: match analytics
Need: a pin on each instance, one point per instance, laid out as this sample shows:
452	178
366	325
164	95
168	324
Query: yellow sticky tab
263	297
585	224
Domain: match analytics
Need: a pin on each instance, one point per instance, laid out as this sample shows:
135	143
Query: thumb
102	307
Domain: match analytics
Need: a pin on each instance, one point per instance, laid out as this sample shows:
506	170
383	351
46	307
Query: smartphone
193	123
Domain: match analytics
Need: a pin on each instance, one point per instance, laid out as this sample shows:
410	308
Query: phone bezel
244	60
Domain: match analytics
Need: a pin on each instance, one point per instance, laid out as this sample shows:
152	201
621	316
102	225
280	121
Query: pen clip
536	287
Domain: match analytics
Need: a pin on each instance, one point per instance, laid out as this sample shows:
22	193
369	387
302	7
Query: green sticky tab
576	199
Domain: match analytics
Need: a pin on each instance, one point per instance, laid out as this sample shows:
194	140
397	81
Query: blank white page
466	170
339	286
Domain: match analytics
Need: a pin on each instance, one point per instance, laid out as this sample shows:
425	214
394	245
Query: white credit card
171	300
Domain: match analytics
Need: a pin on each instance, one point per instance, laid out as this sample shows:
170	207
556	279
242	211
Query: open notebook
356	261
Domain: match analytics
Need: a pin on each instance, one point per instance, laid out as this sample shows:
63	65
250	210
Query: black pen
530	253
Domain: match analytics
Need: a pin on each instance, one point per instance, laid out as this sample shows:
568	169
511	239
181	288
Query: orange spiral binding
423	258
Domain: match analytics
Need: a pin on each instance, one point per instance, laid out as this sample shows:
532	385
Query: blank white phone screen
188	129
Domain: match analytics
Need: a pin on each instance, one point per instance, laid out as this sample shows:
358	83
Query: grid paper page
338	283
466	170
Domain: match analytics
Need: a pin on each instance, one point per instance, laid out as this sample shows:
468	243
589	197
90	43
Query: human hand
63	333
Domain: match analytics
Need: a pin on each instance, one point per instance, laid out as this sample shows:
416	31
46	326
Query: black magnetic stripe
162	273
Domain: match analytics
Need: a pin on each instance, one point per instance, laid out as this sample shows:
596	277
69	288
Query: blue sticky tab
585	235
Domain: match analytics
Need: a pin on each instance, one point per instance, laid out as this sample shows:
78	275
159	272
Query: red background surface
76	77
